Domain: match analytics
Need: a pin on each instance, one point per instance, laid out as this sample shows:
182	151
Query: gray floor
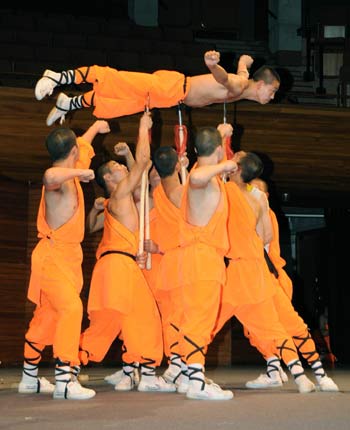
281	409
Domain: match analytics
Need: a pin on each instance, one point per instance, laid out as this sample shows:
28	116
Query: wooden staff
147	224
144	229
142	212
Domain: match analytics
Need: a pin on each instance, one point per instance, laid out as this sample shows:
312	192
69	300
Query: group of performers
176	260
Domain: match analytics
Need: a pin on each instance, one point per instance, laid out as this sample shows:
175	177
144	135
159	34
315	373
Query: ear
74	150
107	177
260	84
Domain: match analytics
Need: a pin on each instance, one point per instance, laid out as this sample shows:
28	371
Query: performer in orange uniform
166	240
203	237
289	318
119	298
116	92
249	289
56	276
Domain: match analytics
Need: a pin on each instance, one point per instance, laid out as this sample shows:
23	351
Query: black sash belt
118	252
270	264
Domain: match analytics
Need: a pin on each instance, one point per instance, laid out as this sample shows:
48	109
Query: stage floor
282	408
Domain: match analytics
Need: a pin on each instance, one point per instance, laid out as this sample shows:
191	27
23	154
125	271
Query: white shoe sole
198	395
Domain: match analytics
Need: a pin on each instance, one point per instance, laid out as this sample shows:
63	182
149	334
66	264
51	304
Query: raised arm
234	83
226	131
98	127
123	149
95	217
201	176
142	159
55	177
85	141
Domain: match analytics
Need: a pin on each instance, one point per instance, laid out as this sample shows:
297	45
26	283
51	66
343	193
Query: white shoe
304	384
283	375
59	110
156	384
210	392
327	384
183	384
115	377
46	84
39	385
126	383
174	378
74	391
264	381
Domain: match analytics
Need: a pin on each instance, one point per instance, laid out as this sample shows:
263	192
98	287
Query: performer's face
118	171
266	92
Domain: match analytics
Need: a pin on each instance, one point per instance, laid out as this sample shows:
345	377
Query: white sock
63	78
318	370
148	373
273	368
196	375
30	372
295	368
175	364
128	369
62	375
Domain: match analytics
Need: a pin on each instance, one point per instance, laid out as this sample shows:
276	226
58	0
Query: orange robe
168	285
118	92
249	290
121	301
203	271
275	256
56	277
287	315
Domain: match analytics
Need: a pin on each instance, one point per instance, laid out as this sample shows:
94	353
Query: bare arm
86	151
200	177
95	218
98	127
122	148
55	177
142	158
235	84
264	226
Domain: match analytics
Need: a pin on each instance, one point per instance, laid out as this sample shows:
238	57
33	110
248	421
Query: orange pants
262	322
171	311
201	301
117	92
141	333
290	320
57	321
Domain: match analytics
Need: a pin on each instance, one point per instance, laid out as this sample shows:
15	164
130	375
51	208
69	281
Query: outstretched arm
55	177
235	84
200	177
